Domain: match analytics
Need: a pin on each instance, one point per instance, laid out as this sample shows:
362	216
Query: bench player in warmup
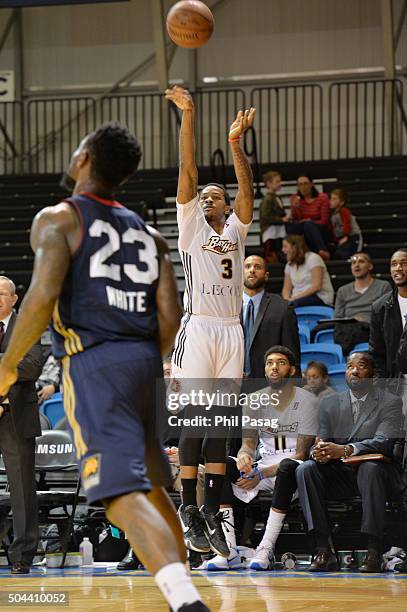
107	281
209	344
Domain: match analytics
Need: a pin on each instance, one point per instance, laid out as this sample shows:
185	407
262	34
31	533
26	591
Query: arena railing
303	122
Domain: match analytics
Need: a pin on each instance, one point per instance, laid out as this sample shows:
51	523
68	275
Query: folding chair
59	482
304	334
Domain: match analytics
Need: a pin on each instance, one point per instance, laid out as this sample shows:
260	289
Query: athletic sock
176	586
228	526
189	491
213	492
274	525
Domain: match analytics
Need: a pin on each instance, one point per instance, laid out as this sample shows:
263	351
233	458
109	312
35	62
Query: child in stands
273	217
345	229
317	379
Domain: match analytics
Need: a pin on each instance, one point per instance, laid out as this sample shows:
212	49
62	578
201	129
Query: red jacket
317	210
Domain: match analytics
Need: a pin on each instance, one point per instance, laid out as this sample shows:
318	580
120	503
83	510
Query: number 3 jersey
213	263
109	291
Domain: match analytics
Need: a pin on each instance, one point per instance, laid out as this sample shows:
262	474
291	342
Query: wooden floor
105	589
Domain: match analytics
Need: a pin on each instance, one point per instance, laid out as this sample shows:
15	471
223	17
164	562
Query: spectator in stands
19	425
311	216
345	229
354	301
49	381
292	414
272	217
389	315
317	379
306	278
363	419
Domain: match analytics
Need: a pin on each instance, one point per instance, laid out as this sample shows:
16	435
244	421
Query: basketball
190	24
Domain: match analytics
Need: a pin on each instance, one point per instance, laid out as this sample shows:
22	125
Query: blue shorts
110	397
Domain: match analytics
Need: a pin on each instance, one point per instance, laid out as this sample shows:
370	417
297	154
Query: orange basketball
190	23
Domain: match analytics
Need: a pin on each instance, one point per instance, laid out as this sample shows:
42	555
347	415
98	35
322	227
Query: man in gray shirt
354	301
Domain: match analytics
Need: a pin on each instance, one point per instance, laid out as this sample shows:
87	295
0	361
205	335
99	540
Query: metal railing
294	123
289	122
366	118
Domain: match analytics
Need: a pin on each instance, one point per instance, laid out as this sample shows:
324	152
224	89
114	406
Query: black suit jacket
22	395
276	323
385	331
377	429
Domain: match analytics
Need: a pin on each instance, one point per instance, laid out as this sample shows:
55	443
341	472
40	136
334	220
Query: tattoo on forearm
242	169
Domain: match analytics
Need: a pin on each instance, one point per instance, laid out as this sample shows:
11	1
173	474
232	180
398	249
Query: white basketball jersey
213	263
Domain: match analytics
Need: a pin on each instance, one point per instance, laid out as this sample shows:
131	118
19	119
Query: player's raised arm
188	173
245	196
169	311
52	259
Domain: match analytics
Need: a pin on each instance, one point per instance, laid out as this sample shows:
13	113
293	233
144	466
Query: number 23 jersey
109	291
213	263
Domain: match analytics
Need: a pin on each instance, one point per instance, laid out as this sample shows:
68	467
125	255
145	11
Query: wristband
260	473
234	139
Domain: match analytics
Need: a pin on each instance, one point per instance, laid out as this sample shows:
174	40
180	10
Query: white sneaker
220	564
263	559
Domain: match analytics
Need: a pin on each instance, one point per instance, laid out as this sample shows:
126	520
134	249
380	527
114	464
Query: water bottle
86	550
288	561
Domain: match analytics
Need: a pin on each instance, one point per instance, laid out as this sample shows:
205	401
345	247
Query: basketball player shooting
209	344
107	280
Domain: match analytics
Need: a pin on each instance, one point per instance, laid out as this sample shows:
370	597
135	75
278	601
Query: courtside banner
26	3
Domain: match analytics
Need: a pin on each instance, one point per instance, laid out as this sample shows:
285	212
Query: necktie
356	405
248	328
1	332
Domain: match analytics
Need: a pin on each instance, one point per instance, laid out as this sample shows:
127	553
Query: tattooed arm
245	197
188	173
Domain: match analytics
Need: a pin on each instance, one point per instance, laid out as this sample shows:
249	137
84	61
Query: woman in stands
310	215
306	279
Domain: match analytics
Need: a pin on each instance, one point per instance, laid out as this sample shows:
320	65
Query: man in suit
19	424
267	319
362	420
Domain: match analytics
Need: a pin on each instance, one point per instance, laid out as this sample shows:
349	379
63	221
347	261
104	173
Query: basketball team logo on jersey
219	245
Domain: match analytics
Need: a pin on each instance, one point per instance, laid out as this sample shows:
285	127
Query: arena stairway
377	190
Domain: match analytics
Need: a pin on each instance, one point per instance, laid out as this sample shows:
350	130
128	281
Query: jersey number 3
145	268
227	268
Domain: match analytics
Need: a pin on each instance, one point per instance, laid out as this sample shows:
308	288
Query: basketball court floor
105	589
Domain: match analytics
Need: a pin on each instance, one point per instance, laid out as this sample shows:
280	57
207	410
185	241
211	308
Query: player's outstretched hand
180	96
243	121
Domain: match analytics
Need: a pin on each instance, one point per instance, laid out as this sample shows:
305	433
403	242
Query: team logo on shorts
91	471
219	245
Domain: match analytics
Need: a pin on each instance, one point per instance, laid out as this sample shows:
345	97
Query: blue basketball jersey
109	292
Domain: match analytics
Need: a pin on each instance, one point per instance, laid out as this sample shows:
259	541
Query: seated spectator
281	448
306	279
272	217
345	229
363	419
49	381
317	379
355	300
311	217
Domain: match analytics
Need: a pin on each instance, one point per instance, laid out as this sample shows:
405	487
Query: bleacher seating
303	333
310	315
336	375
329	353
325	335
53	408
